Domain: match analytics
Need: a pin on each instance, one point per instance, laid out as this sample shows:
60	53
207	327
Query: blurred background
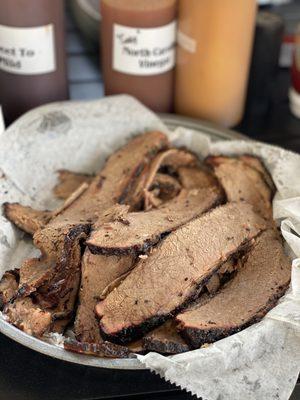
267	115
236	64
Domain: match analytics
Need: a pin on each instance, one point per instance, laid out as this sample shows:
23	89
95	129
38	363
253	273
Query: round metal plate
215	132
172	121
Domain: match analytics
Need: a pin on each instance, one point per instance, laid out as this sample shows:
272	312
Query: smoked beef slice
26	218
254	290
174	273
242	182
8	286
69	182
30	220
165	340
97	273
141	230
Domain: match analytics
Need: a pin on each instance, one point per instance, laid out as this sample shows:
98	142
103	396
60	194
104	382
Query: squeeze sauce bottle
213	57
138	50
32	55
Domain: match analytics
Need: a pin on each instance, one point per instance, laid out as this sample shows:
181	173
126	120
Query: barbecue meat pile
157	252
171	277
244	299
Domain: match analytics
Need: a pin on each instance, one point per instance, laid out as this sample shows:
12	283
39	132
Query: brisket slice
158	186
170	161
56	294
69	182
172	276
97	274
191	178
8	286
34	272
136	347
104	349
242	182
29	317
257	164
245	299
165	339
26	218
30	220
141	230
164	187
58	291
114	283
132	192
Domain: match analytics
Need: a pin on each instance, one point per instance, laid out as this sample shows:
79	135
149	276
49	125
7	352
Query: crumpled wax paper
77	136
261	362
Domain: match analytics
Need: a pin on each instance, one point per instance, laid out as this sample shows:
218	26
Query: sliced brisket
161	182
173	274
97	273
8	286
104	349
192	178
26	218
34	272
255	289
120	172
170	161
59	241
165	340
100	272
69	182
29	317
31	220
141	230
165	187
257	164
136	347
242	182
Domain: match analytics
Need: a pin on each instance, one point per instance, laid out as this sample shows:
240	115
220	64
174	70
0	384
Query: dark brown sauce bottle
138	50
32	55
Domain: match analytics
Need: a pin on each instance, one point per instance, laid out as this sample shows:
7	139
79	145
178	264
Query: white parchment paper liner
261	362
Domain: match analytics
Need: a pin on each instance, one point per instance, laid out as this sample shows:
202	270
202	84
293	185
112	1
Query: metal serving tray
172	121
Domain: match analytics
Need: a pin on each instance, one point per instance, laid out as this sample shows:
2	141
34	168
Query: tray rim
171	121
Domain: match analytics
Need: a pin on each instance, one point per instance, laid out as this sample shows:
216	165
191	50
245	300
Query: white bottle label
27	51
144	51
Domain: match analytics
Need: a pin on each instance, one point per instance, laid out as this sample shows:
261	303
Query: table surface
27	375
